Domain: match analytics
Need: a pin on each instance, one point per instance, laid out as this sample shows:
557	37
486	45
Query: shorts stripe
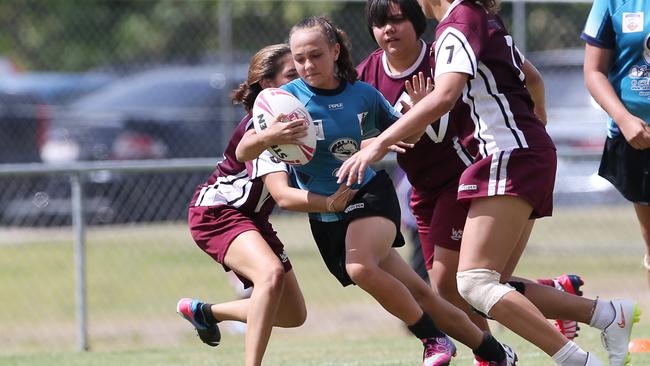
503	172
494	174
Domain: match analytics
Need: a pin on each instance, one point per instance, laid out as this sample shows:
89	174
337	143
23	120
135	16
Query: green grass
137	273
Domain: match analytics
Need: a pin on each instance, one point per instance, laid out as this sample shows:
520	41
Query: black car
170	112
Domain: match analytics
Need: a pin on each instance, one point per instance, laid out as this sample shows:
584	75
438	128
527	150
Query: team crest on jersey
343	148
632	22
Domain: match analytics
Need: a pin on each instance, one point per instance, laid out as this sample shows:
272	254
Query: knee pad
481	288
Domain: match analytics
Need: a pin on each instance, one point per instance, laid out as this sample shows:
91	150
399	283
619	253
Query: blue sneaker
209	334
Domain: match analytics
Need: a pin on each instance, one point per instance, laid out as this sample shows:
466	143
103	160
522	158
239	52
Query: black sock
490	349
424	328
205	315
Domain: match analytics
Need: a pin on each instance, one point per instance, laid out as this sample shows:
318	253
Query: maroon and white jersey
438	158
472	41
239	184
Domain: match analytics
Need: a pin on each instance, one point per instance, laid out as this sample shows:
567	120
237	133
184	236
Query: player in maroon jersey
478	78
228	219
397	27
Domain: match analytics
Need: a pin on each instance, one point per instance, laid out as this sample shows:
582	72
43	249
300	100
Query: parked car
55	88
23	123
169	112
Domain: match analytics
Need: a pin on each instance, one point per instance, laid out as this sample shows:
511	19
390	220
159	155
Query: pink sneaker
438	351
209	334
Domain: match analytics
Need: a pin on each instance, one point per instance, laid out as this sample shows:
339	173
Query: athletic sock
603	315
425	328
204	315
570	355
490	349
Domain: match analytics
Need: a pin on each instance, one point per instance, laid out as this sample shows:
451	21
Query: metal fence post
78	227
519	24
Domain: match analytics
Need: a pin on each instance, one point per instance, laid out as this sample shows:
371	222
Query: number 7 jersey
495	99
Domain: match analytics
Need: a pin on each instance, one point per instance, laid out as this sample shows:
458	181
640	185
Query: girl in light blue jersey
617	74
357	244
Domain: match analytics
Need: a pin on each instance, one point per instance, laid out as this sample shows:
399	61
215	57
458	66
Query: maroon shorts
525	173
214	229
440	220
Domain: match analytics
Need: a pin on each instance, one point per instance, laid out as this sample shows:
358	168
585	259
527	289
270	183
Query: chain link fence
142	80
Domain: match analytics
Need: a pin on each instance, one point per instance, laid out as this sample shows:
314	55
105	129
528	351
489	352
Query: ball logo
296	114
343	148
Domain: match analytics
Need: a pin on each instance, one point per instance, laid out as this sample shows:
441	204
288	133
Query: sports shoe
616	335
438	351
209	334
592	360
510	360
570	284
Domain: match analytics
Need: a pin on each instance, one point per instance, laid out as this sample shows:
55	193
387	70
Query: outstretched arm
633	128
295	199
449	87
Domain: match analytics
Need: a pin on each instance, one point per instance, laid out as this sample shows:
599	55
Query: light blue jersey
343	117
624	27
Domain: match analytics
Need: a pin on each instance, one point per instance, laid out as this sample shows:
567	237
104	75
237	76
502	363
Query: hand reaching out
417	89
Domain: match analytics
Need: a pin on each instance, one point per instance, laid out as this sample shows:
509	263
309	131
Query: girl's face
286	73
396	36
314	57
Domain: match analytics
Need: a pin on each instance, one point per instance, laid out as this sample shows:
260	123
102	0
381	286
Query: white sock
603	315
570	355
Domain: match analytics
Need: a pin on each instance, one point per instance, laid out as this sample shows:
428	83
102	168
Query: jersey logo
343	148
467	187
456	234
632	22
335	106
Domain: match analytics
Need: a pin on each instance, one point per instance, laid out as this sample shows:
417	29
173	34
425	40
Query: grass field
137	273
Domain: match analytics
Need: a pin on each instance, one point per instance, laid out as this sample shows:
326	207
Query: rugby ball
273	101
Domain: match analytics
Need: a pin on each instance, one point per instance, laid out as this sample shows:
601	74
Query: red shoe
570	284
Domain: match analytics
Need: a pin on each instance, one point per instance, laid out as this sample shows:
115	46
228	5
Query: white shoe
592	360
616	335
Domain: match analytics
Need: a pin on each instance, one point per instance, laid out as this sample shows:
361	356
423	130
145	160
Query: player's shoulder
465	12
371	61
299	89
362	88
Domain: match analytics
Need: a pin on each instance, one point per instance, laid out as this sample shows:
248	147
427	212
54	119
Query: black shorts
376	198
627	169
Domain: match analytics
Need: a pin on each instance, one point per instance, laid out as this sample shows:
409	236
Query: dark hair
492	6
345	66
377	13
264	65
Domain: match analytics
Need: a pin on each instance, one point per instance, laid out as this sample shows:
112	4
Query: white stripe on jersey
464	156
514	49
454	53
234	190
498	173
495	126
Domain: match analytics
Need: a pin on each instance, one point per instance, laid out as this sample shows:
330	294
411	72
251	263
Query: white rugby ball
273	101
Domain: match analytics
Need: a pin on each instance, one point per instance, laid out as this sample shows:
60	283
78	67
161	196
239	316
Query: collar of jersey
335	91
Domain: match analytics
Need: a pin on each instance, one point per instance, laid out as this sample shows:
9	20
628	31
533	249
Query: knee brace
481	288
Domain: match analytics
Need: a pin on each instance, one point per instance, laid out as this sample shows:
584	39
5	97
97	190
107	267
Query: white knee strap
481	288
